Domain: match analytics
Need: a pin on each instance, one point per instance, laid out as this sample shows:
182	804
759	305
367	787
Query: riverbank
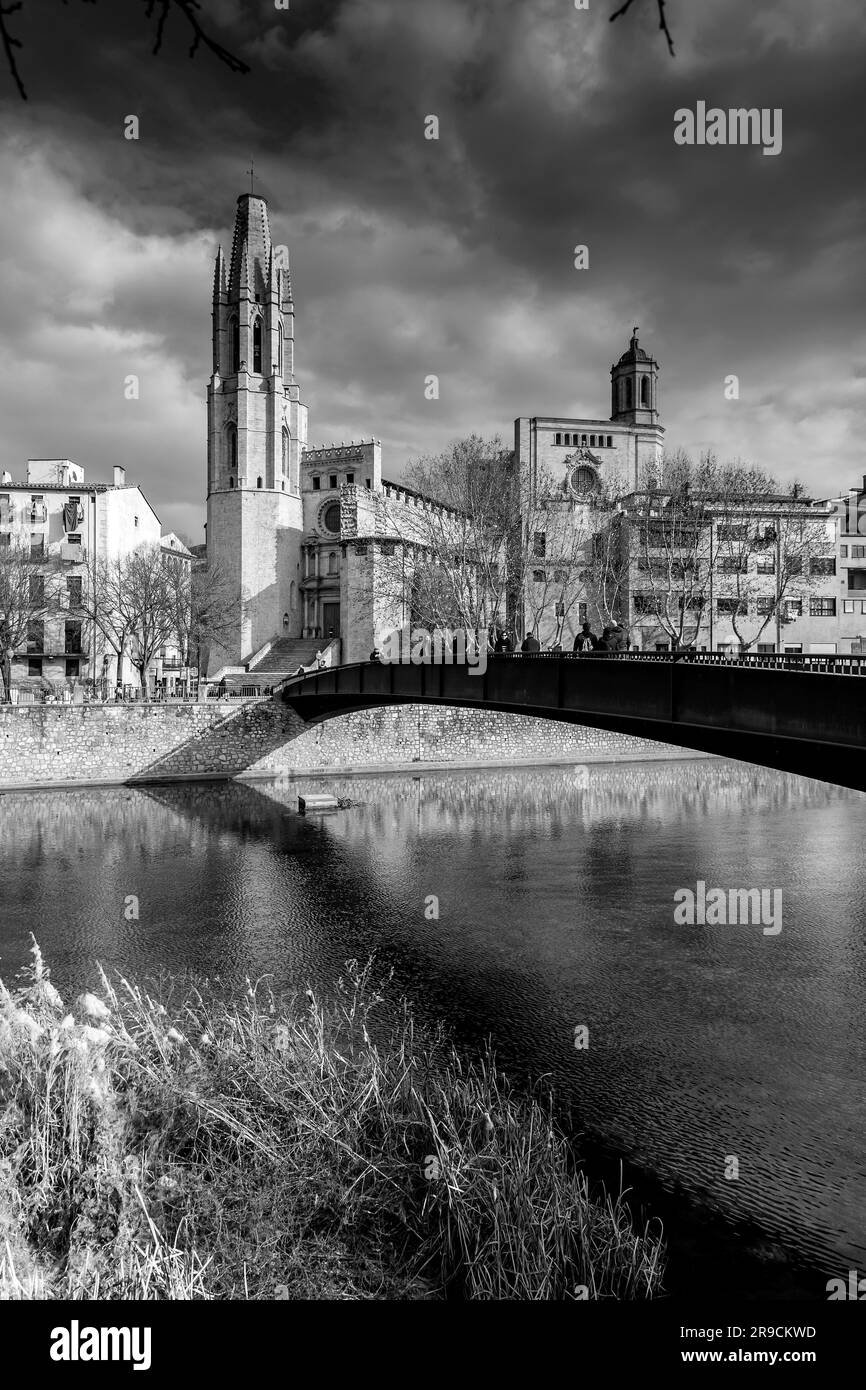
264	1148
118	745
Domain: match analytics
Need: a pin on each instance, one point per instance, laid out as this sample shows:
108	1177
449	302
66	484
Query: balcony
37	514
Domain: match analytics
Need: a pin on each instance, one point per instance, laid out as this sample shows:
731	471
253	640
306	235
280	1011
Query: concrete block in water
317	802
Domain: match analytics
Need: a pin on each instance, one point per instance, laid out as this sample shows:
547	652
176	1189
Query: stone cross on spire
252	173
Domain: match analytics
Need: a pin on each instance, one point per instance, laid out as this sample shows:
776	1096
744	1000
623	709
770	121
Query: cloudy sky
454	257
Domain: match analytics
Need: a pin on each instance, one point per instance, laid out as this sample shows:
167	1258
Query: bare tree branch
188	9
663	24
9	43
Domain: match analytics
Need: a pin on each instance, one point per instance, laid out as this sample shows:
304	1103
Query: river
555	896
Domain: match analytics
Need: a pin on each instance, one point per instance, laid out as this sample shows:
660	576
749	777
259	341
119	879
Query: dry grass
263	1148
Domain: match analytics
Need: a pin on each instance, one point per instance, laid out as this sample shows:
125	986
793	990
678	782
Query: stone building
306	536
586	453
71	527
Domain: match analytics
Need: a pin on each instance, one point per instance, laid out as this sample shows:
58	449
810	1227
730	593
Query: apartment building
69	527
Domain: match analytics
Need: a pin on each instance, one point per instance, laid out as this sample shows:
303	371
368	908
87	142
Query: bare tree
205	608
26	594
549	561
771	550
187	10
149	605
451	527
663	24
105	605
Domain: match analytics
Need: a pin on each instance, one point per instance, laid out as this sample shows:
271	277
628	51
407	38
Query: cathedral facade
582	454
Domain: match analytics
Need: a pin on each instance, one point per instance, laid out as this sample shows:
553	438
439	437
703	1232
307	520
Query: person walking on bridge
530	643
586	640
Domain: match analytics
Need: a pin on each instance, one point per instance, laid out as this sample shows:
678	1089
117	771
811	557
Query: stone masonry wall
45	745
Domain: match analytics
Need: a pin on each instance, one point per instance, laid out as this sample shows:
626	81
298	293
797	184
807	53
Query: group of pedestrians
612	639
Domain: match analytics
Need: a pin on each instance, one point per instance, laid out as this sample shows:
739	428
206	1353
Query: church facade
292	529
584	454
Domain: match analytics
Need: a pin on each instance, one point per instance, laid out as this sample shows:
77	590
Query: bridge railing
827	663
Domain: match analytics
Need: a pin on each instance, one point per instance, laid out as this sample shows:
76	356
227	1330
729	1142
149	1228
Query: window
843	551
73	591
848	605
73	540
538	576
72	637
539	544
629	393
234	346
858	552
37	545
610	441
5	539
584	479
557	439
73	667
332	562
350	479
232	441
34	666
135	520
388	547
582	439
317	483
644	391
361	548
733	564
822	564
367	482
732	533
331	518
856	580
794	608
285	450
643	603
231	482
794	564
765	606
765	648
35	635
822	607
592	441
257	346
732	607
280	347
332	481
766	564
560	576
37	590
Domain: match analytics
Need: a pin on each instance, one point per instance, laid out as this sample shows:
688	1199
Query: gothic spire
251	244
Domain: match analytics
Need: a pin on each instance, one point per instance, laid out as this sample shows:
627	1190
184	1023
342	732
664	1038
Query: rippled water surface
555	891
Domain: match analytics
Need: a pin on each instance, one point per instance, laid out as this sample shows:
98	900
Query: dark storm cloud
452	257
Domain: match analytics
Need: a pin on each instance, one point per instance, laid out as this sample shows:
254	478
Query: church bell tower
257	429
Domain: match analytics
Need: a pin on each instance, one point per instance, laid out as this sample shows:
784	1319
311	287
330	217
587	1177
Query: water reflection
555	891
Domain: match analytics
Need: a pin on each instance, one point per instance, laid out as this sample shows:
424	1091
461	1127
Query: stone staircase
287	654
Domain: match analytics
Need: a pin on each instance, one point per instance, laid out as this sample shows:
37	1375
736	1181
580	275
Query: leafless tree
158	10
26	594
205	607
663	24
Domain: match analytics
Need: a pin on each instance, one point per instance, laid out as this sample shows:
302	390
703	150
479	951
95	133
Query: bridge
800	714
